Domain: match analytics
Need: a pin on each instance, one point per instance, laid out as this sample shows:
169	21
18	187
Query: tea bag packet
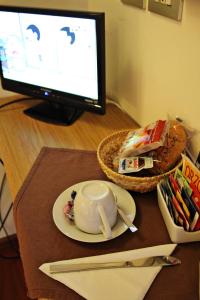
134	164
182	181
191	172
192	176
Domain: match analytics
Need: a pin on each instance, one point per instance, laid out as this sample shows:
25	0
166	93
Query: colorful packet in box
167	197
194	214
182	181
182	219
195	196
191	172
177	193
187	194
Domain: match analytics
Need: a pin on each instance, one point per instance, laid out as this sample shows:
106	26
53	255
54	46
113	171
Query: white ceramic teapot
95	208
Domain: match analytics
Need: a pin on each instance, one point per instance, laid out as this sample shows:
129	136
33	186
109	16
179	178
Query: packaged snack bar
144	139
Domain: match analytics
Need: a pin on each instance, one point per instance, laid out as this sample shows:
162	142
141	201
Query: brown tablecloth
40	241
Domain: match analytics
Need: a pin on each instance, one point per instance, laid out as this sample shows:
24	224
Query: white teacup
95	208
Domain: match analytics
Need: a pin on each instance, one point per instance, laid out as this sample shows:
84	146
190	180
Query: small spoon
126	220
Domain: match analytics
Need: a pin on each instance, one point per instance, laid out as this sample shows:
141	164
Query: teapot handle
105	227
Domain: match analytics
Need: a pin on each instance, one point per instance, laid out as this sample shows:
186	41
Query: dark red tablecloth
40	241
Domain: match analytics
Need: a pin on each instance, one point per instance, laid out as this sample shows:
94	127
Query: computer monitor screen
55	55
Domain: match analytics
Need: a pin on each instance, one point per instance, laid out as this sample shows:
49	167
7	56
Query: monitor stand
54	113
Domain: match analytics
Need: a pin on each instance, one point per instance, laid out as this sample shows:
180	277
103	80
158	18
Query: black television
57	56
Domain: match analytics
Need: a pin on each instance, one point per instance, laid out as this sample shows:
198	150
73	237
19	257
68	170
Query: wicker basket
108	149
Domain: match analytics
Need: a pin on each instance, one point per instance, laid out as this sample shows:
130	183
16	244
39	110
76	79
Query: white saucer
124	200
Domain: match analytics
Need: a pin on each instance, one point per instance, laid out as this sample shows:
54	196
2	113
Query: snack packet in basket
144	139
134	164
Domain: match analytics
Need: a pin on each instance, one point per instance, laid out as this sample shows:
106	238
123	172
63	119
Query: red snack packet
144	139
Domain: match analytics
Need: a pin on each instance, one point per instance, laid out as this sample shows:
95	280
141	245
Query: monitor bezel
55	96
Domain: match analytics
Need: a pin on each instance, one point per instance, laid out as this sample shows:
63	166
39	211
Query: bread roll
167	156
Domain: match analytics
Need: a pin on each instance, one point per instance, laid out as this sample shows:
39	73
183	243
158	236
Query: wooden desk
21	137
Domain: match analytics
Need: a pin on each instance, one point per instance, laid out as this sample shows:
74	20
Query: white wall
152	62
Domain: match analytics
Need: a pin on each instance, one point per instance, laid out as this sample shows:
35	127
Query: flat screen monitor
54	55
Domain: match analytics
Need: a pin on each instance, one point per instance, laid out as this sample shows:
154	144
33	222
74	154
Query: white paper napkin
112	284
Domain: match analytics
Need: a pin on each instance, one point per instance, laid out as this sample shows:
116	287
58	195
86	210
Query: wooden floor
12	284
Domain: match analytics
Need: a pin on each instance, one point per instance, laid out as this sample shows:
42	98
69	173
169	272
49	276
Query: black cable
17	256
2	222
1	190
5	218
17	100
